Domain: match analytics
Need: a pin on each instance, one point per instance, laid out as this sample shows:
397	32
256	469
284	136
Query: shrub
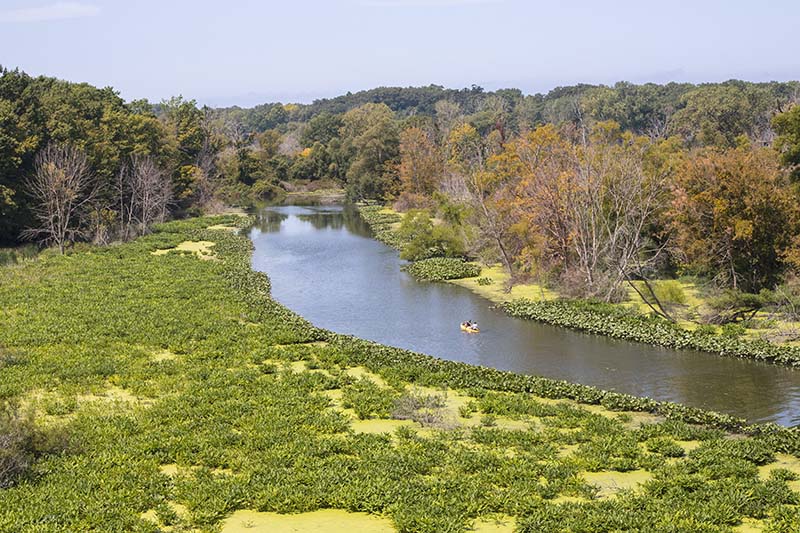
733	331
21	442
484	281
407	201
669	291
17	435
733	305
10	256
441	269
264	190
423	240
425	409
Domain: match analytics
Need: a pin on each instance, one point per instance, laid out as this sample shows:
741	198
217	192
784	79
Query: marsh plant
243	414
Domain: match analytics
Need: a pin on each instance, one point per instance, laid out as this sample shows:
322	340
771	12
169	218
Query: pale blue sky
246	52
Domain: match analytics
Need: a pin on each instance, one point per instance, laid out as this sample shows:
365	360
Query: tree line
586	187
78	163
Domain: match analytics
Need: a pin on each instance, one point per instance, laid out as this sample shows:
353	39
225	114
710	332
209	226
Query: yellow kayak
469	329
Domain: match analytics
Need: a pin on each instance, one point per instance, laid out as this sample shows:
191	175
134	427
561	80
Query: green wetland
325	265
186	399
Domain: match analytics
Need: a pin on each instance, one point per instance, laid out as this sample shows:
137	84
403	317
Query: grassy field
188	400
494	286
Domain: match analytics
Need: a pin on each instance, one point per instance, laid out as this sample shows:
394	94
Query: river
325	266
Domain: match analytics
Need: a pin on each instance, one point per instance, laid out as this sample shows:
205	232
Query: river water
324	266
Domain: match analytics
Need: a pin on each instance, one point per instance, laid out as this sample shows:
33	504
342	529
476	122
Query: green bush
733	305
11	256
423	240
441	269
669	291
484	281
733	331
264	190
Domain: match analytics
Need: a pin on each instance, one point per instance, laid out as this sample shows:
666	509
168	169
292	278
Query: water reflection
269	221
325	267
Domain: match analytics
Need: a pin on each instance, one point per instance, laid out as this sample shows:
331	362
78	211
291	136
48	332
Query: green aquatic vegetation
617	322
513	405
367	399
678	430
466	410
189	395
381	223
619	452
488	420
785	519
665	446
441	269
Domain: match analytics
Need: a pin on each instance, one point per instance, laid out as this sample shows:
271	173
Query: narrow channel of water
324	266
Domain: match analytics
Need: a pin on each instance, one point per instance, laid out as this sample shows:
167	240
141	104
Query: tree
469	158
542	192
186	126
420	162
62	187
717	114
613	200
787	125
322	128
423	240
734	215
448	116
494	115
145	194
581	209
371	138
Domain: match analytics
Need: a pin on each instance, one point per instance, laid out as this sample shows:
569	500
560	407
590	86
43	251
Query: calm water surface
324	266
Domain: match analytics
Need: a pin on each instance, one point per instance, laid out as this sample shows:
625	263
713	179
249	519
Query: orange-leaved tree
734	215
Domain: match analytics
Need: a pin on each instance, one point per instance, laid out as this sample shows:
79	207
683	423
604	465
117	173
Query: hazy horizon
247	52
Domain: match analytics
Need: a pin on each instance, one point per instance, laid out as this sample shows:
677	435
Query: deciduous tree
62	186
734	215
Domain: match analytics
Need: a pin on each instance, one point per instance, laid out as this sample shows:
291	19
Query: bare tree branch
62	187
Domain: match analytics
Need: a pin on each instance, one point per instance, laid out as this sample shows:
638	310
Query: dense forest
584	187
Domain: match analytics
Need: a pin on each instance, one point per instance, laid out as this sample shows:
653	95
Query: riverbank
622	321
189	394
319	196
